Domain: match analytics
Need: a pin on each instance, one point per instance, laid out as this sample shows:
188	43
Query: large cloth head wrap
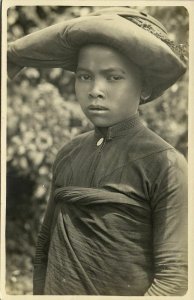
137	35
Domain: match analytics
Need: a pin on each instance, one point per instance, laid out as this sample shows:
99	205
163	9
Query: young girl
116	219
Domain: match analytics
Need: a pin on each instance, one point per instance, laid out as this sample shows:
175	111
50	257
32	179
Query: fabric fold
89	196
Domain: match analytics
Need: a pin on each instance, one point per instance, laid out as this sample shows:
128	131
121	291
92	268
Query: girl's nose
96	92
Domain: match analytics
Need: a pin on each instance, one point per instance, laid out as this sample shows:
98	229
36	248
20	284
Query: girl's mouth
97	108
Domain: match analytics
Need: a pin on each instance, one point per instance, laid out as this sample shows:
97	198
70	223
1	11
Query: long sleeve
44	236
169	205
42	247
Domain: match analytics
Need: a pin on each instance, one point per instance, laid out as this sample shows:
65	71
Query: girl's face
108	86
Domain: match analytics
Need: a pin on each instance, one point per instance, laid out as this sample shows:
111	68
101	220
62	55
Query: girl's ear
145	92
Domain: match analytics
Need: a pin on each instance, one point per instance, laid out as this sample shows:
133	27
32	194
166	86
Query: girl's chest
88	166
104	165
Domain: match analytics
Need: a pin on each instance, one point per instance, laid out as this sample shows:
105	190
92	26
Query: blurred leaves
39	122
43	114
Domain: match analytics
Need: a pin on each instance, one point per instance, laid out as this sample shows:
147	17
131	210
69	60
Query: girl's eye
84	77
115	77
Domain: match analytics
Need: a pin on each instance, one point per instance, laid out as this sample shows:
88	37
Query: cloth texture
116	221
123	29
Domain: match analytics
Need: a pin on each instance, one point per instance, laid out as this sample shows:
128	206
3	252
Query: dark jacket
135	248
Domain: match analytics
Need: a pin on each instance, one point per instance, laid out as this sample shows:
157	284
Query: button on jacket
116	221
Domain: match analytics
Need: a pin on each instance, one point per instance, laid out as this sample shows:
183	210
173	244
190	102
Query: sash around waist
91	196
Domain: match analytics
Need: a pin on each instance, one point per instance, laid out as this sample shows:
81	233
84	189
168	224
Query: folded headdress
137	35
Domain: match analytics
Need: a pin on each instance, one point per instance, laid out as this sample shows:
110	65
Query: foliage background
43	114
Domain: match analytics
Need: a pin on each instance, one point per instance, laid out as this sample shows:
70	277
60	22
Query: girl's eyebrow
102	71
82	69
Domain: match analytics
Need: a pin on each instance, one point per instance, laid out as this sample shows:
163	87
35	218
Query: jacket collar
119	129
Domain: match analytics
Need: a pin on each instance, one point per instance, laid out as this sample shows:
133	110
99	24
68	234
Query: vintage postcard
97	146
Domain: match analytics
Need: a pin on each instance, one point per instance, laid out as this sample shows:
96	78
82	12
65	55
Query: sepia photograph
96	116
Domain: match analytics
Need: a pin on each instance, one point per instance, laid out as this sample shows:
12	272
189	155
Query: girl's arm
42	247
169	206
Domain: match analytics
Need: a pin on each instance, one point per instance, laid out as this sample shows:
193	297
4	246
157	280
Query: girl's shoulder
74	143
149	149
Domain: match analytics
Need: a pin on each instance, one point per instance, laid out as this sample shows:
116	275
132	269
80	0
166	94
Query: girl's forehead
101	59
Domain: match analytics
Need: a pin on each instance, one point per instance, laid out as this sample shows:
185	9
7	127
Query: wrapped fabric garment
92	227
116	222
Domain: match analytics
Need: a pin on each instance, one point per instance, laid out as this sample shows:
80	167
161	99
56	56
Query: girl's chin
100	122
